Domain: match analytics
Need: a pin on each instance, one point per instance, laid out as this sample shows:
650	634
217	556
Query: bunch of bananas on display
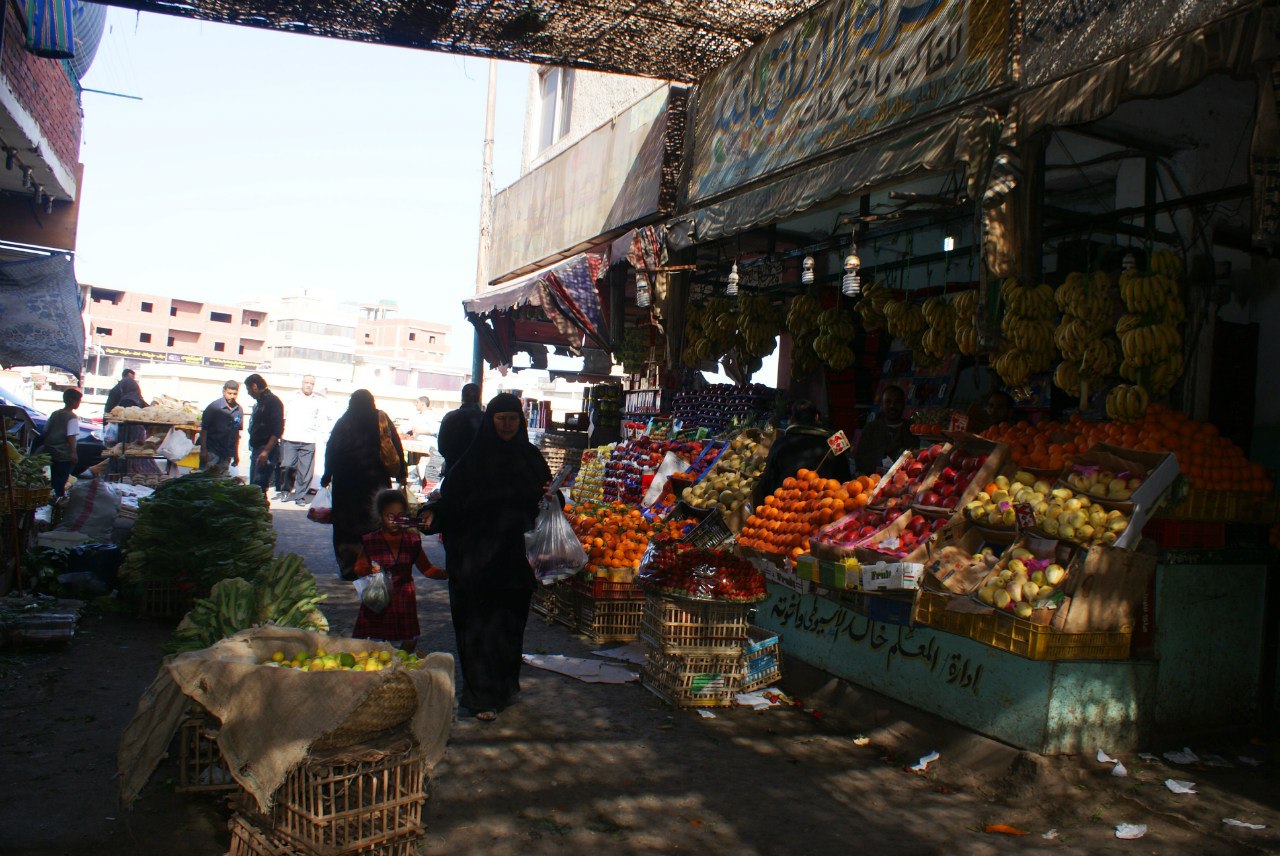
802	323
1028	329
834	344
939	339
966	323
1066	377
904	320
709	331
871	307
759	324
1149	336
1088	352
634	352
1127	403
1086	297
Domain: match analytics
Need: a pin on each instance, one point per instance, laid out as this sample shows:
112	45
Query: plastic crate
598	588
894	609
201	768
693	680
930	610
609	620
1186	534
1226	506
353	801
711	532
24	498
1038	642
677	626
762	660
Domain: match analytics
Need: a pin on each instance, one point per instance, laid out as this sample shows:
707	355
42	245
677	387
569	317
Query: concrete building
311	333
381	332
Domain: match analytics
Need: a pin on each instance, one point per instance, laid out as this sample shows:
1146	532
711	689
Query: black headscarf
489	458
130	393
356	431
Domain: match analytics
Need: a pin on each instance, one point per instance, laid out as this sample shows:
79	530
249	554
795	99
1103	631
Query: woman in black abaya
487	503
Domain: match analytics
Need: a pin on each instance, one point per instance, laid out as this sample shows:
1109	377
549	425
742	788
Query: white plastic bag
552	548
321	509
374	591
175	446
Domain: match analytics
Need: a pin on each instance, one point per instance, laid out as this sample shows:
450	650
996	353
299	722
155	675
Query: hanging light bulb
806	275
851	284
26	177
48	205
642	293
9	157
1129	262
731	286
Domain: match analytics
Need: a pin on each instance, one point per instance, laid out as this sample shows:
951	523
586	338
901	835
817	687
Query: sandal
487	715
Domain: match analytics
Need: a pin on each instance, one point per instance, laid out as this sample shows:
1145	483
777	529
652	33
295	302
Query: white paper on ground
925	761
1119	770
1216	761
706	714
1186	756
1231	821
1130	831
1147	756
862	740
1104	758
633	653
1252	762
1051	834
588	671
1180	787
755	700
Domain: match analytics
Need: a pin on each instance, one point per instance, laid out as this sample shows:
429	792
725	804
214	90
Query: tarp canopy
40	321
558	307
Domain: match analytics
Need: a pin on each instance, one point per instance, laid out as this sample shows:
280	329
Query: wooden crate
609	620
166	598
557	602
353	801
672	625
250	839
698	680
201	767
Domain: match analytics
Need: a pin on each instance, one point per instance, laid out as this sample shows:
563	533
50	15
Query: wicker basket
609	620
356	801
167	598
677	626
249	839
693	681
558	602
390	705
589	585
200	761
25	498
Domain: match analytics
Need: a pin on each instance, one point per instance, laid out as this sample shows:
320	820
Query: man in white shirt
306	423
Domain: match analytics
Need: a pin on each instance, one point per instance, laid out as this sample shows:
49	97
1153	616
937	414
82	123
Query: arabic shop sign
1063	36
848	69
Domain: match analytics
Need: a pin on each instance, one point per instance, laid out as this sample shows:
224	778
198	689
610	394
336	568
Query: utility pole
486	215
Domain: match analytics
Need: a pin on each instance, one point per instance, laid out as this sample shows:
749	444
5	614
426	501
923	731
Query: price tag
839	443
1026	515
959	422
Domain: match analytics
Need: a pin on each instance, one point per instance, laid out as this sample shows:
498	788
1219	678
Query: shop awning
40	321
559	306
960	140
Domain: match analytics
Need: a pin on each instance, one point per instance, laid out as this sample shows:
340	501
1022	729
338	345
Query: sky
259	163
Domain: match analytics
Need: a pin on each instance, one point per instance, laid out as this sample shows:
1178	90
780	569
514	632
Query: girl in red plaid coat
397	550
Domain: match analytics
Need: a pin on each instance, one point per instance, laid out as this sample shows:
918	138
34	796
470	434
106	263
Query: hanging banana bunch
1127	403
1027	325
1088	352
871	307
966	325
758	326
1150	338
802	314
834	343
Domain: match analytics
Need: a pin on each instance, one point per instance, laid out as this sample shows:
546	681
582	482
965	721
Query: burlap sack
271	717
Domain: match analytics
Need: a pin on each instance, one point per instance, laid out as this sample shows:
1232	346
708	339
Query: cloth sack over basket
272	717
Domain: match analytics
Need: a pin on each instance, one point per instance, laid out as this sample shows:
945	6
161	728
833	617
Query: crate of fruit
672	625
761	659
1040	642
705	680
613	584
609	620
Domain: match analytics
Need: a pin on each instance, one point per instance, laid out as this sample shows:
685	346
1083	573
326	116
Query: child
398	550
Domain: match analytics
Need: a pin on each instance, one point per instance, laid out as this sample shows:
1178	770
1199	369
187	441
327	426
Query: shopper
420	426
266	425
886	436
802	446
458	428
307	422
396	550
126	393
486	505
60	433
354	470
220	427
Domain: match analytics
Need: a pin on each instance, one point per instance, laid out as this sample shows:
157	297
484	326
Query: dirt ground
591	768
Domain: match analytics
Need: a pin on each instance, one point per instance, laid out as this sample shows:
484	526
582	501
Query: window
220	317
555	90
253	322
102	331
431	340
147	307
413	337
144	338
219	346
241	351
317	328
173	311
170	342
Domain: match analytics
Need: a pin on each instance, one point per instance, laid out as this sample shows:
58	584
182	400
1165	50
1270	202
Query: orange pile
783	524
1209	461
615	536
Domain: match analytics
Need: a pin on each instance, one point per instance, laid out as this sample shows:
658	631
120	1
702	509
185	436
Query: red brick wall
44	88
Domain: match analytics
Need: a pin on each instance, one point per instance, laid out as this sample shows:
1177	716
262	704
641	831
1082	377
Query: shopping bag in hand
374	590
554	552
321	509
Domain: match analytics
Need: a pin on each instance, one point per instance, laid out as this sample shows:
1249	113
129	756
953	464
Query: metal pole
486	212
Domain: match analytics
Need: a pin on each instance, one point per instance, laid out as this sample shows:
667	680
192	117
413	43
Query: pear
1042	486
1002	482
1023	610
1084	532
1008	518
1118	525
1017	566
987	594
1021	553
1002	598
1038	578
1049	525
1135	483
1029	591
1021	476
1106	539
1067	532
1015	592
1054	574
1062	493
982	496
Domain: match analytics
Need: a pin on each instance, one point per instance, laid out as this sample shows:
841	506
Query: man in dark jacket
802	447
458	428
885	437
220	430
266	426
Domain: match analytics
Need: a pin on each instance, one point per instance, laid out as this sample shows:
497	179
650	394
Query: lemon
372	666
384	656
278	656
315	666
319	652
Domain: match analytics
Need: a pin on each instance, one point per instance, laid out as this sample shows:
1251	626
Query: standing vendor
803	446
886	436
